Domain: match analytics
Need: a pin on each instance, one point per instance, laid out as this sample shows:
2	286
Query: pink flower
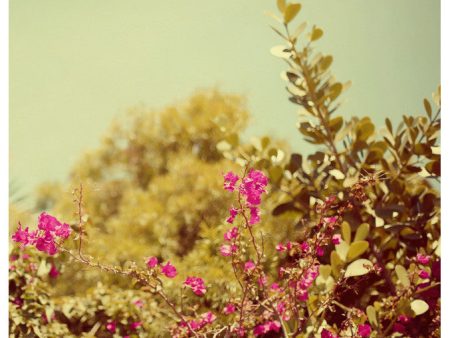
280	247
336	239
152	262
423	274
230	180
139	303
275	287
364	330
252	186
319	251
196	284
208	317
135	325
254	215
53	273
43	238
47	244
262	329
22	236
169	270
228	250
249	266
304	246
422	259
111	326
229	309
262	280
330	220
231	234
233	214
327	334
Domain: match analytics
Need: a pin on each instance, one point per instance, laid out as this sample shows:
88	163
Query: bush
343	242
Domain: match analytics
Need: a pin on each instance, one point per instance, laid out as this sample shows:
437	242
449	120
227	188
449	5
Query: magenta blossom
53	273
364	330
233	214
228	250
152	262
229	309
231	234
196	284
169	270
336	239
139	303
423	259
249	266
252	186
111	326
135	325
262	329
230	180
254	215
423	274
327	334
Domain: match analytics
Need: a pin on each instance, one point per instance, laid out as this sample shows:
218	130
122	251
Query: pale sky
74	65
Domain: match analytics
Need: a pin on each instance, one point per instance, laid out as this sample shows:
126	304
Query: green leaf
358	268
299	30
342	250
336	263
357	249
336	124
362	232
291	11
427	106
281	4
346	232
325	271
372	315
402	275
419	306
316	34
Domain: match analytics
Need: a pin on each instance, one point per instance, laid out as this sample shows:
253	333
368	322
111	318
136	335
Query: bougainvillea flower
423	259
336	239
249	266
111	326
152	262
230	180
228	250
364	330
53	273
196	284
169	270
229	309
231	234
233	214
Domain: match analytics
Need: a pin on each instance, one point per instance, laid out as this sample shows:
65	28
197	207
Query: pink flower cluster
305	282
167	269
44	238
262	329
205	319
196	284
252	187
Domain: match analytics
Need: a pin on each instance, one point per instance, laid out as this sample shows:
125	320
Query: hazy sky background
74	65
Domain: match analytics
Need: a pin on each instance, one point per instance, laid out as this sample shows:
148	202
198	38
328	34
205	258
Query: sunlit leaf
419	306
402	275
358	268
362	232
316	34
291	11
357	249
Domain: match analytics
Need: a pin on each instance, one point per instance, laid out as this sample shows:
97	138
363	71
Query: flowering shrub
342	243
